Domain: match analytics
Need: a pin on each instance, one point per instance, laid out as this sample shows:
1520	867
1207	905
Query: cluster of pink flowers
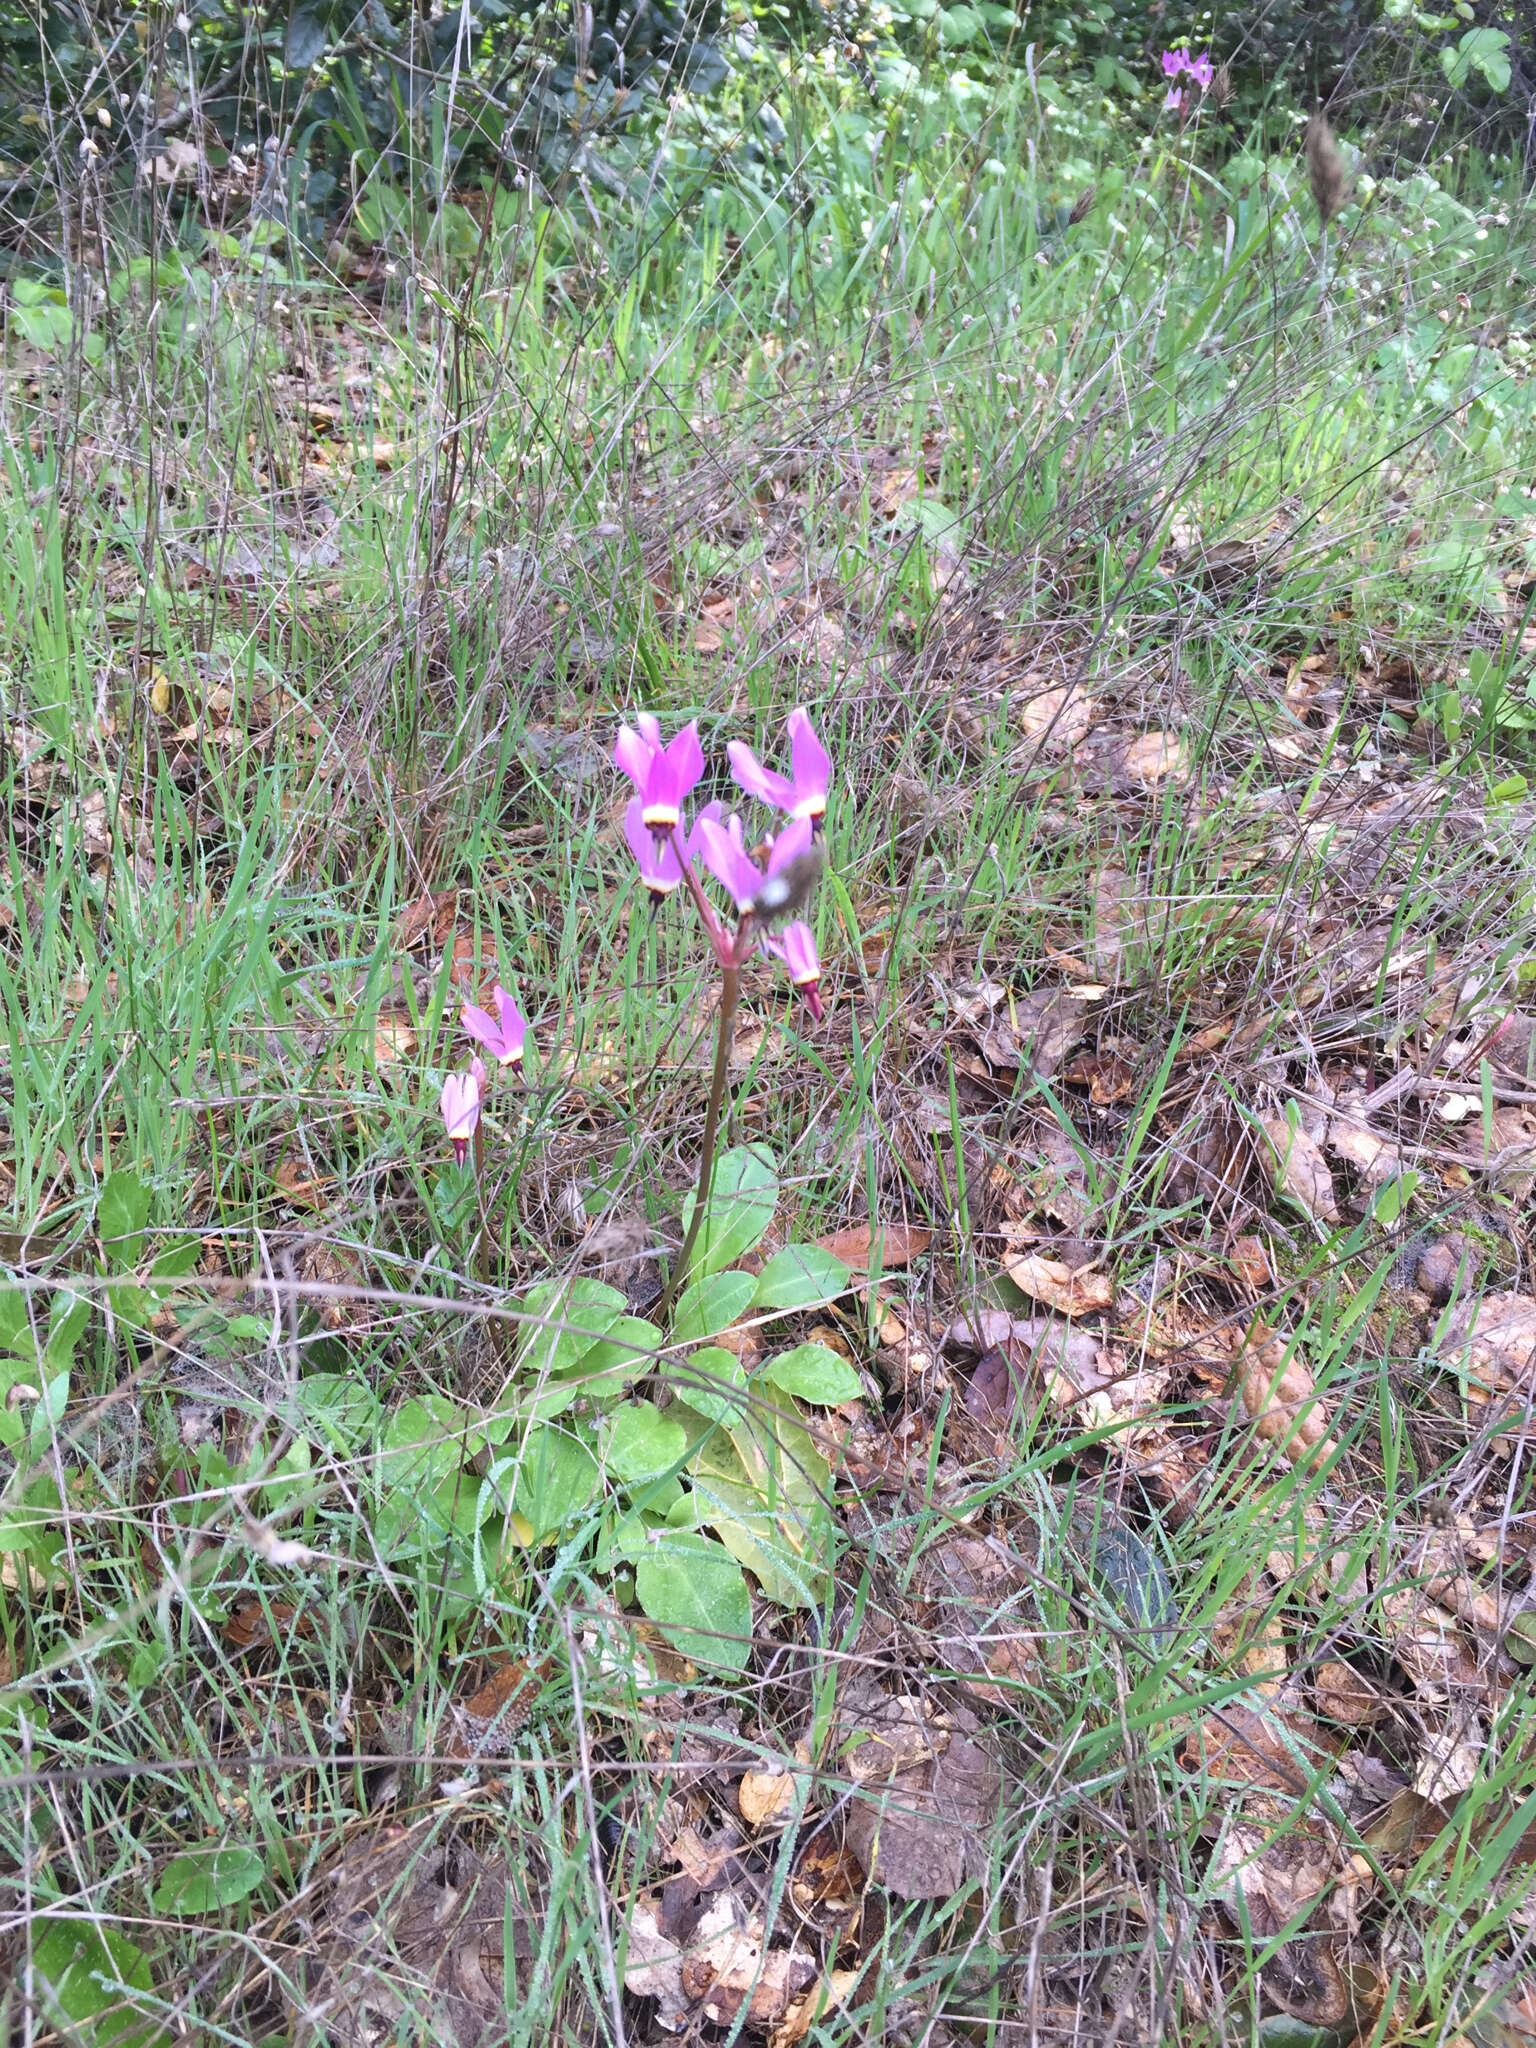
1178	64
763	884
502	1036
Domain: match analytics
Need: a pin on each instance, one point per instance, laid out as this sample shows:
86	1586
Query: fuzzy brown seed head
1222	87
1325	168
1083	206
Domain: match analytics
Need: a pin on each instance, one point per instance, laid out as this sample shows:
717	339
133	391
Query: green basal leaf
122	1212
643	1443
713	1382
800	1276
557	1480
68	1315
571	1317
343	1412
422	1442
86	1976
692	1587
742	1199
208	1879
813	1373
709	1306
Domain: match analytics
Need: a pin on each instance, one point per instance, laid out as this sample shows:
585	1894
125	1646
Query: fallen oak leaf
1300	1169
801	2013
1280	1397
1070	1292
890	1245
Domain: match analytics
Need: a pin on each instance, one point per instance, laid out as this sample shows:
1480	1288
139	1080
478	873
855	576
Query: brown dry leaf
1505	1144
929	1796
393	1041
1278	1393
1301	1170
1069	1293
1154	757
892	1245
1491	1343
1107	1077
1426	1640
653	1966
802	2012
769	1794
1058	718
725	1966
471	973
430	917
1345	1694
1250	1258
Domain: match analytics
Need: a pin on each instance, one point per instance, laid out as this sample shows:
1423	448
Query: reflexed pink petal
756	780
812	766
634	754
1202	71
727	861
798	837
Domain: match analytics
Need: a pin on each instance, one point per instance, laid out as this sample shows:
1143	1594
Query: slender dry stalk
1325	168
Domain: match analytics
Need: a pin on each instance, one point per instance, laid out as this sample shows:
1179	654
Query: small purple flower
662	775
1202	71
461	1106
797	949
802	793
1174	100
1174	62
726	857
502	1035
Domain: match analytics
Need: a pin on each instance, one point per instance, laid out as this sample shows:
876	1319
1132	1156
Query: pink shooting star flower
797	949
1202	71
749	886
660	869
502	1035
1174	101
1175	61
803	792
662	775
461	1107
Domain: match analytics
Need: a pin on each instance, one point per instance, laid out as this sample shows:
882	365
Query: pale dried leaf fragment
1070	1293
654	1966
1451	1759
1058	718
1280	1397
1301	1171
1154	757
1376	1159
822	1998
1491	1343
768	1795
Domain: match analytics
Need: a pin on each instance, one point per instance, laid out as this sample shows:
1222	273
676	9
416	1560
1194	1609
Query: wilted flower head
803	792
461	1106
501	1035
662	775
797	949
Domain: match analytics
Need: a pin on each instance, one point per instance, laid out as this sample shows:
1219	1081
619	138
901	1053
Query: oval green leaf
556	1479
800	1276
712	1382
710	1306
742	1199
813	1373
208	1879
643	1443
693	1588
